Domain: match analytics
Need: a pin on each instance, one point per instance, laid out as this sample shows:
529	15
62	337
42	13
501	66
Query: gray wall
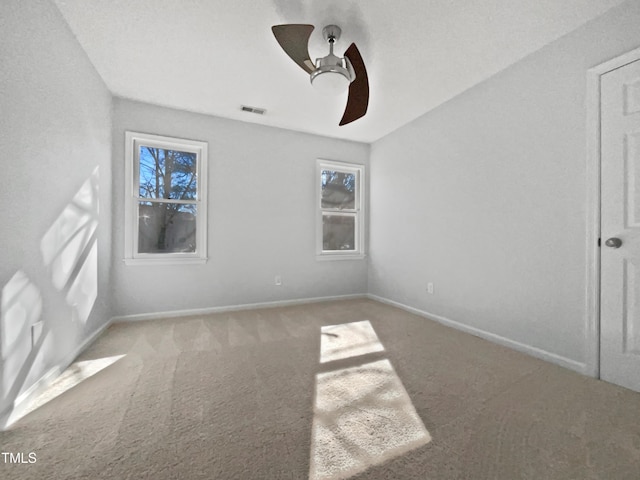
261	216
55	131
486	197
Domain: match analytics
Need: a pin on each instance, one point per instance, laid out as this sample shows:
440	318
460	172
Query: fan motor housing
332	74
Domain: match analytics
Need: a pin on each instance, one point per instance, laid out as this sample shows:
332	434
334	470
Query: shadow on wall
362	415
21	308
69	249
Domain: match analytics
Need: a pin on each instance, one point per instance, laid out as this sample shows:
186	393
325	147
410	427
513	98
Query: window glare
338	189
338	232
166	228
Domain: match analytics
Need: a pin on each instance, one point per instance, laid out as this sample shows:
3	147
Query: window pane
338	189
338	232
167	173
166	227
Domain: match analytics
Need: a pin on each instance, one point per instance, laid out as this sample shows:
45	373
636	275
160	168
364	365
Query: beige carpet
245	395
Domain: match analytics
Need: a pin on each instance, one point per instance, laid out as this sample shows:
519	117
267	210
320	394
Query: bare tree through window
171	176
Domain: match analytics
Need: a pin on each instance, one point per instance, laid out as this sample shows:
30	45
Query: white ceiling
212	56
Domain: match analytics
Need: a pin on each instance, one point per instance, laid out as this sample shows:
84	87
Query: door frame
594	161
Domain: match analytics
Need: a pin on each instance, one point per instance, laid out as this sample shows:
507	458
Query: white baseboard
232	308
13	413
579	367
86	343
16	410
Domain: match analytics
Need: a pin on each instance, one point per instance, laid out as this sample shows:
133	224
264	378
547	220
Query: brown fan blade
294	40
358	100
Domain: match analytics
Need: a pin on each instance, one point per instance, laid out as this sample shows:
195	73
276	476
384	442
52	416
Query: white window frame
358	212
133	141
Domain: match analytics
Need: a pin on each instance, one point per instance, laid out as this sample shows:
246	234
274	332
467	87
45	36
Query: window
340	233
165	207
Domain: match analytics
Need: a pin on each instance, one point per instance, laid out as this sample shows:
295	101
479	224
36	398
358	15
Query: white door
620	227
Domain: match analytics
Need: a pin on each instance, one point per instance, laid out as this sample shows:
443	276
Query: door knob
613	242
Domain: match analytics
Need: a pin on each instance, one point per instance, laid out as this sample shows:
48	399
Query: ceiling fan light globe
330	82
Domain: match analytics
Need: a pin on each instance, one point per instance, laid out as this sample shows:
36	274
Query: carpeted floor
245	395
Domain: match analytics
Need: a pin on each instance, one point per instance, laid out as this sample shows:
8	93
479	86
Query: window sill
322	257
164	261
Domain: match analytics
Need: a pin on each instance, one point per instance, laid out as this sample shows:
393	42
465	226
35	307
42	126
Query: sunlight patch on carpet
72	376
348	340
363	416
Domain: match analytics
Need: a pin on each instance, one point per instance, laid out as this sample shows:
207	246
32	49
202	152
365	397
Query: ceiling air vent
257	111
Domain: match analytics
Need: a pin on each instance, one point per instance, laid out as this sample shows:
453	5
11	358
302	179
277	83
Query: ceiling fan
331	74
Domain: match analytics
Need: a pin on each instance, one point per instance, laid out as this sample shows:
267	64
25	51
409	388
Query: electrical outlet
278	280
430	288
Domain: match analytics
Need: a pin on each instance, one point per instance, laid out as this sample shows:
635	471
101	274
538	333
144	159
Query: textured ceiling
212	56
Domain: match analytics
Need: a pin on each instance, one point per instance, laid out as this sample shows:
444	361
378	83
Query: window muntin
340	217
166	202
